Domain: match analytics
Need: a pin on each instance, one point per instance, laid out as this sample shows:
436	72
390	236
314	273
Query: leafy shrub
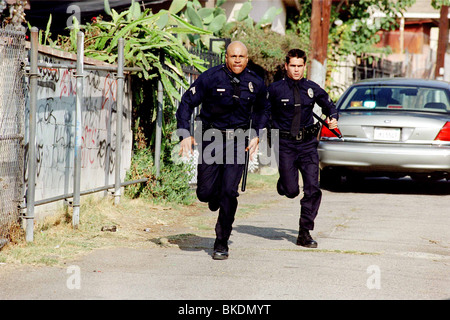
172	185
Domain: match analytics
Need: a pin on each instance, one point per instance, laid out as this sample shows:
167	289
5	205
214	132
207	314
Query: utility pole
442	43
320	27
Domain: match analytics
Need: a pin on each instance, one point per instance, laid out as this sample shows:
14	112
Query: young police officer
229	94
292	100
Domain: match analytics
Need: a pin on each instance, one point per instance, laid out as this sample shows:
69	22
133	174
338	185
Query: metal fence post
119	110
32	136
158	128
77	149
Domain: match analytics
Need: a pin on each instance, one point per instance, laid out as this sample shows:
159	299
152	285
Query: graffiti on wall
55	129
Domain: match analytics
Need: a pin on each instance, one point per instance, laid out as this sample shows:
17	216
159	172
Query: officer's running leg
312	195
209	176
231	178
208	182
287	184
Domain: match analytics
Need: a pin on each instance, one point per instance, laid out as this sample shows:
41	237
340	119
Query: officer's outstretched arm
186	146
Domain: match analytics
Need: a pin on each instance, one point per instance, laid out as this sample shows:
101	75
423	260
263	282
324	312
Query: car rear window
396	98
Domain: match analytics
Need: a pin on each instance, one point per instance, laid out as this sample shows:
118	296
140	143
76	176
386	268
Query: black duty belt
305	133
228	134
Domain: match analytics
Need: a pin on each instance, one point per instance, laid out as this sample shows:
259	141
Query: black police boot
304	239
220	255
220	251
214	205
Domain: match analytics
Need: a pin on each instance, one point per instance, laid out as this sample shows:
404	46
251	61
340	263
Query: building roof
422	9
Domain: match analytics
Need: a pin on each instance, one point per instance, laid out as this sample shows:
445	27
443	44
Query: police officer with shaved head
229	94
292	100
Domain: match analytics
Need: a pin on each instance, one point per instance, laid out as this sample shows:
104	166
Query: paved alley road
387	240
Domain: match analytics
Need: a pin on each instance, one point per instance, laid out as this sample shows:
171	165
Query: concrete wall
55	131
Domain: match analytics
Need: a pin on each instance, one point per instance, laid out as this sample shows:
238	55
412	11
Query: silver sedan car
392	127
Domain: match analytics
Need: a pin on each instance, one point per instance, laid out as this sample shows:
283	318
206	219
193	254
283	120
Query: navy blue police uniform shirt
214	90
281	97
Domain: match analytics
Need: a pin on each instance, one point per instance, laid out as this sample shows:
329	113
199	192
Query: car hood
413	127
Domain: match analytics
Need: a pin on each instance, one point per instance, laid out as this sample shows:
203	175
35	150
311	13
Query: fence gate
12	106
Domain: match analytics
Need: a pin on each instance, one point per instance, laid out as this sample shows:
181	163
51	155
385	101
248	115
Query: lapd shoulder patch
193	90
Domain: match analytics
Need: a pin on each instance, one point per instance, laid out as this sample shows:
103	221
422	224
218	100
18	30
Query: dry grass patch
136	222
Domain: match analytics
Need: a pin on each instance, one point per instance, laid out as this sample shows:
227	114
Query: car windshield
396	98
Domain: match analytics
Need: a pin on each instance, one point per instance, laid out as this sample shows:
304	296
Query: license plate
387	134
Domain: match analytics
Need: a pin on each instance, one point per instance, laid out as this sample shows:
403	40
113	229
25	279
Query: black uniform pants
219	181
294	156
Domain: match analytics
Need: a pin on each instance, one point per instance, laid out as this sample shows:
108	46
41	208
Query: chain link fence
12	106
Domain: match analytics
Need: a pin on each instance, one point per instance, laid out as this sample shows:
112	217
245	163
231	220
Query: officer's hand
253	146
186	146
332	123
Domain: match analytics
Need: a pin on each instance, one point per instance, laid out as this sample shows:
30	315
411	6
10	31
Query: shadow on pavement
268	233
187	242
